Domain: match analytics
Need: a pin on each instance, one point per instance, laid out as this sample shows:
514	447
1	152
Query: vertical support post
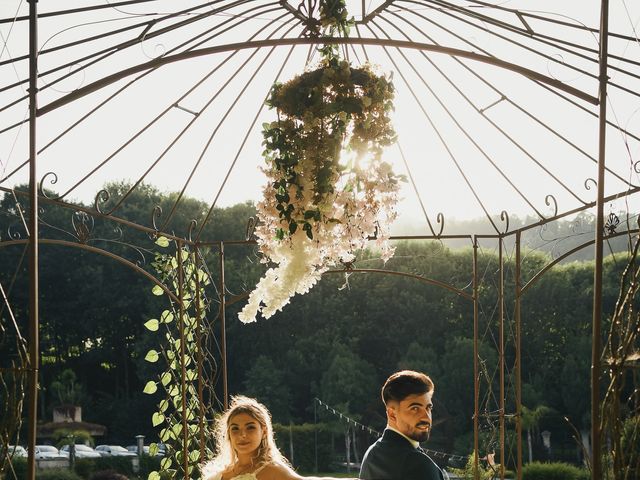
315	435
518	365
476	378
200	355
501	354
223	326
34	340
183	364
596	342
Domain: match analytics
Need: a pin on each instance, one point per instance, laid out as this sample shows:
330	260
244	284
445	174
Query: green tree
530	420
265	382
67	390
421	359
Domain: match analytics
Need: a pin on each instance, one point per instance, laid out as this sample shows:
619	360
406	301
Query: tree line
337	343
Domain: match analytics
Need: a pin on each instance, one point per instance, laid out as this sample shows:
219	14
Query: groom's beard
420	435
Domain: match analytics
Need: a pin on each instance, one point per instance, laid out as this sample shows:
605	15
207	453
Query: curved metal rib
92	249
440	137
500	93
109	79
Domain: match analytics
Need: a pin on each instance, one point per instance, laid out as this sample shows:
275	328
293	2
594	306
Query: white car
47	452
82	451
134	449
145	450
114	451
17	451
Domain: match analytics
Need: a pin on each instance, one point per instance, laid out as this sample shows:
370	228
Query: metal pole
183	364
501	335
518	366
223	326
315	435
476	380
199	309
596	342
34	347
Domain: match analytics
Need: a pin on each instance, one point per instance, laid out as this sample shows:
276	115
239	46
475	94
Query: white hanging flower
319	207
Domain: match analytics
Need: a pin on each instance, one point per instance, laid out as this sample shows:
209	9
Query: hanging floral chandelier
329	191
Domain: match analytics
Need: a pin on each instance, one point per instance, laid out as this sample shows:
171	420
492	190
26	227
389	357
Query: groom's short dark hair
404	383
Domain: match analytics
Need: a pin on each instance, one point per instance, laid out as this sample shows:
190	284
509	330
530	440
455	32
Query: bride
245	447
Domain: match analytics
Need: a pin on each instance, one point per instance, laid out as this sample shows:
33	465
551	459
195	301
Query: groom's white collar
410	440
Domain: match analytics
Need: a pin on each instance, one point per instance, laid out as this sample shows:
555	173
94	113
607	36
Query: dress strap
259	469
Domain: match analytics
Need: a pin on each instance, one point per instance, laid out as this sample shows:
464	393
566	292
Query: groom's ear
391	411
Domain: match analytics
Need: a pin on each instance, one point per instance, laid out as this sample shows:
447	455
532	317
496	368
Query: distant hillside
554	238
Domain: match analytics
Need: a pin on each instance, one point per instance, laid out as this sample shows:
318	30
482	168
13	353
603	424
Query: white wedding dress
244	476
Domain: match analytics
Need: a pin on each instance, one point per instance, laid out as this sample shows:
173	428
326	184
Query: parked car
47	452
145	449
134	449
82	451
114	451
17	451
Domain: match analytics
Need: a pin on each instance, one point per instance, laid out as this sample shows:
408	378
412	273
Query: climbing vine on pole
180	413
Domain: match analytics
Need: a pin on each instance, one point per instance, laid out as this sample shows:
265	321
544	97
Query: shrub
553	471
19	466
62	436
467	473
85	467
57	474
20	469
147	465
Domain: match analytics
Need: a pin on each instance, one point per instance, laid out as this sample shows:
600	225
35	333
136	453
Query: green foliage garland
183	323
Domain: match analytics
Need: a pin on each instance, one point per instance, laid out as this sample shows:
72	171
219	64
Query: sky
473	136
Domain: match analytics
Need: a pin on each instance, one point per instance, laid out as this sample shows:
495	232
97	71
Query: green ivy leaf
166	316
177	429
150	388
157	290
163	405
153	450
162	242
153	475
152	325
156	419
152	356
165	463
165	378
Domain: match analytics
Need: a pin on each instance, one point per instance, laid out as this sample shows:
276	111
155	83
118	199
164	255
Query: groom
397	454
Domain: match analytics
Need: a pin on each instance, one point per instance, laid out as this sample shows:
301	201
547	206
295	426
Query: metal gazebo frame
35	197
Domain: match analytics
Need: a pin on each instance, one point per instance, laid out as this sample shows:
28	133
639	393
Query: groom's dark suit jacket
392	457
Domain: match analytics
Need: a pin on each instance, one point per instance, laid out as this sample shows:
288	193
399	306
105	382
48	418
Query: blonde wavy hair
224	455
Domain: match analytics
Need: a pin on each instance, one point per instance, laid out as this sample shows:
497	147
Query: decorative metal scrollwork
250	234
504	217
155	215
192	228
159	49
587	183
611	224
548	200
308	10
13	233
83	225
101	198
440	221
53	180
